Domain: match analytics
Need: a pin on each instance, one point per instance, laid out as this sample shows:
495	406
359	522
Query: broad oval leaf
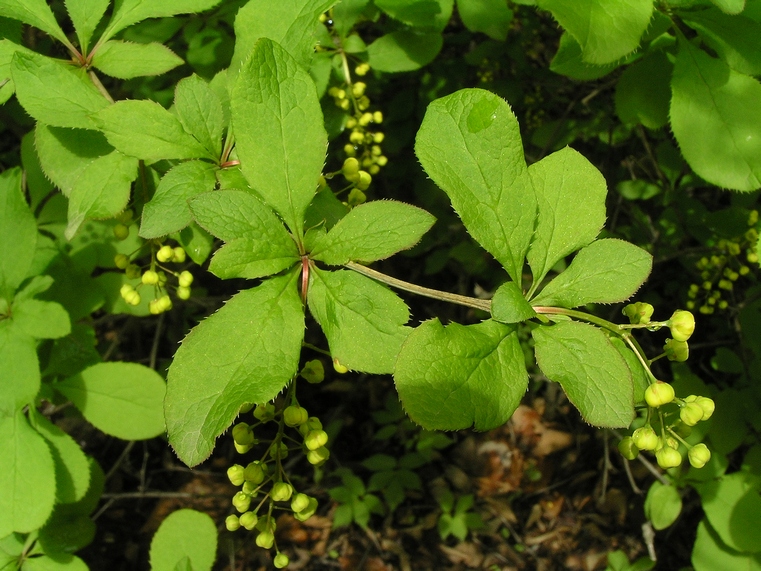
279	133
716	119
18	233
19	368
571	195
121	399
126	60
607	30
643	91
363	320
606	271
470	145
662	505
245	352
372	231
734	38
509	305
72	469
184	533
710	553
492	17
41	319
591	371
27	478
168	211
145	130
458	376
404	50
55	93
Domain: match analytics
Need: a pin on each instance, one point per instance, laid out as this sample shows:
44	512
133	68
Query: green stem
482	304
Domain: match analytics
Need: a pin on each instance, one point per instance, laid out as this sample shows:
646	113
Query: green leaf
372	231
224	362
85	15
72	470
27	478
568	61
420	14
571	195
509	304
290	23
7	50
19	368
35	13
102	190
184	533
61	562
662	505
715	119
65	154
121	399
362	320
258	244
55	93
470	145
710	553
592	373
147	131
643	93
733	508
126	60
404	50
41	319
196	241
734	38
346	13
199	109
279	131
128	12
168	211
492	17
606	271
730	6
454	377
18	233
606	30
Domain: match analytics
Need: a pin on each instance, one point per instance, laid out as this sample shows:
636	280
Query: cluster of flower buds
263	482
156	276
719	272
681	325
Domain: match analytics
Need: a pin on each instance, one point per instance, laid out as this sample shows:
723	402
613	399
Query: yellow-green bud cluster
720	271
157	278
121	228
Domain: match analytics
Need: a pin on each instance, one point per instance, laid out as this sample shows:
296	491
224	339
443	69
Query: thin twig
119	460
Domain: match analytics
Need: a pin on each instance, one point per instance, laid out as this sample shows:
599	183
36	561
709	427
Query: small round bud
242	449
339	368
185	279
242	434
365	119
179	254
235	474
349	149
638	313
265	412
357	137
350	169
677	351
699	455
265	539
358	89
316	439
281	492
628	449
658	394
645	438
165	254
295	415
707	405
682	325
313	371
362	69
133	298
121	261
121	232
307	512
164	303
667	457
278	450
150	277
183	292
318	457
254	473
364	180
300	502
241	501
281	561
232	523
378	117
691	413
132	272
249	520
356	197
126	289
381	161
